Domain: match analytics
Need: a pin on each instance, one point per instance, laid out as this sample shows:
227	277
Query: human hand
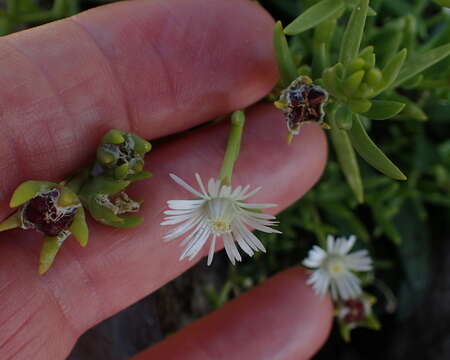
154	68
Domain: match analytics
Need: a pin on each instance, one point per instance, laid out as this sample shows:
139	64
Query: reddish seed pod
355	312
43	214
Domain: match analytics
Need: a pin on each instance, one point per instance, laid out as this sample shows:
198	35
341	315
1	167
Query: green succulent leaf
352	83
347	158
420	62
140	145
113	136
79	228
140	176
28	190
102	213
344	117
392	70
354	33
384	109
50	248
367	149
314	15
359	105
127	222
103	185
286	64
11	222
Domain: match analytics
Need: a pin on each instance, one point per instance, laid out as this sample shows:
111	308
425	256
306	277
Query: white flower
217	212
335	267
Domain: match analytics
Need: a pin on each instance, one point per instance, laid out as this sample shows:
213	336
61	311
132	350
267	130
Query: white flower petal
183	228
251	193
202	187
212	249
185	185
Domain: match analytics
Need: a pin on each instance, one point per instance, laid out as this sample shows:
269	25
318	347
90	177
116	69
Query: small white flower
335	267
218	212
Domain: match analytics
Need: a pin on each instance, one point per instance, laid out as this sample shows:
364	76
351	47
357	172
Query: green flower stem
76	182
233	146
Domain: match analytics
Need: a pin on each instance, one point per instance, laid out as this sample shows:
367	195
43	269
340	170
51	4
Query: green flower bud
113	137
368	56
352	83
365	92
121	154
359	105
373	77
357	64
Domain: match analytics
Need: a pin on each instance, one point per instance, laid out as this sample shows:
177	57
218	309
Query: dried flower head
302	102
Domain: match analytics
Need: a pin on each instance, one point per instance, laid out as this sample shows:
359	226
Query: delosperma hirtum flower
334	268
217	212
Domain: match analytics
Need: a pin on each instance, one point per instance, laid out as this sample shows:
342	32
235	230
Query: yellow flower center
334	266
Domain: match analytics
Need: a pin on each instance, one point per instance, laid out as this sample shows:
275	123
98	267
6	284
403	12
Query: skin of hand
154	67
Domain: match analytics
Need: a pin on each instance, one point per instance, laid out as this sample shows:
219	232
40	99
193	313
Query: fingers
119	267
153	67
281	319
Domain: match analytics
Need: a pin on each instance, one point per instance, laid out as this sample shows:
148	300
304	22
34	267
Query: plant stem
233	146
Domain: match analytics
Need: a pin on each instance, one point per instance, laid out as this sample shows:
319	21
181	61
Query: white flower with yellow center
217	212
335	268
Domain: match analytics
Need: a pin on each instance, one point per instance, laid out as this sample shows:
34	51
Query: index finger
151	67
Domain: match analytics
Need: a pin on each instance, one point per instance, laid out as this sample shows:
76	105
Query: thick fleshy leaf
344	117
140	176
354	33
367	149
28	190
140	145
49	250
128	222
347	158
353	81
121	171
113	137
79	228
102	213
314	15
392	69
420	62
11	222
286	66
104	185
384	109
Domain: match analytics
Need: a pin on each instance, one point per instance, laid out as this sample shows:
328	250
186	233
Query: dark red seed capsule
43	214
355	310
